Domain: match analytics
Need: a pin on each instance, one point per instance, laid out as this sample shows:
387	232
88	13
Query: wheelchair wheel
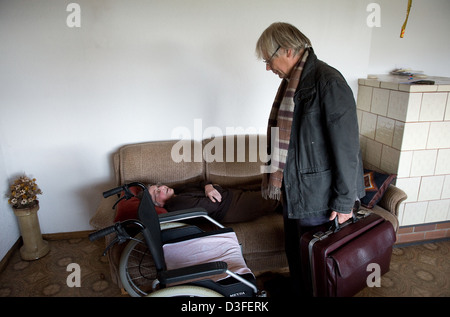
136	268
185	291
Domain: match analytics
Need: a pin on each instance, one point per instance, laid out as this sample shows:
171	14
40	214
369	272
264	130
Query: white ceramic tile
398	105
423	163
388	85
437	210
443	88
433	106
415	135
414	213
368	124
448	214
414	103
385	130
380	99
404	164
418	88
401	212
431	188
447	111
372	82
439	135
404	87
398	135
389	159
373	152
363	145
446	188
359	115
443	162
410	186
364	97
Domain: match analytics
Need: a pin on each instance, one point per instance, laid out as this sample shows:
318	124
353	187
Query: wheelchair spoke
137	269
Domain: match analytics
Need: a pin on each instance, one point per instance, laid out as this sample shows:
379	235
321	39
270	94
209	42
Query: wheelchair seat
209	247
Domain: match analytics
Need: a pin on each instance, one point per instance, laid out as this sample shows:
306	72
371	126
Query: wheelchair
167	257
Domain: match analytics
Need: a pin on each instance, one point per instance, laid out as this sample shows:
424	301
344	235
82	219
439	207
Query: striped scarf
280	119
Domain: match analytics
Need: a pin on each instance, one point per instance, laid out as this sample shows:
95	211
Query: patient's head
160	194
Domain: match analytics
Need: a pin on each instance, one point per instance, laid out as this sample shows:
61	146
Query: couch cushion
235	160
162	161
262	235
262	242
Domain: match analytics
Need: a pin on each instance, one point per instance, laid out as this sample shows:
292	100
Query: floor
416	271
420	270
48	276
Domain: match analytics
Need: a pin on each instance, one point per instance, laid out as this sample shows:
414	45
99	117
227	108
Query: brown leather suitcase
341	261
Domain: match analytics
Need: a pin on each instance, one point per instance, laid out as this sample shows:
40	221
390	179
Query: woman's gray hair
280	34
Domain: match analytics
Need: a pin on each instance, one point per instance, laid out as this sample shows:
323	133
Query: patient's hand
212	193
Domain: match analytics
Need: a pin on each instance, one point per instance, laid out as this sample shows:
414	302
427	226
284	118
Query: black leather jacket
324	168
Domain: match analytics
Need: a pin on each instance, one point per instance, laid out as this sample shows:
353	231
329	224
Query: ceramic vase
34	247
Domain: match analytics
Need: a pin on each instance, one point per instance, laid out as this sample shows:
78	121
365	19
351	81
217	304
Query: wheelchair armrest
182	214
192	272
186	214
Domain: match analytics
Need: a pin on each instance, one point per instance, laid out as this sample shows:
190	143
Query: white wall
426	44
136	70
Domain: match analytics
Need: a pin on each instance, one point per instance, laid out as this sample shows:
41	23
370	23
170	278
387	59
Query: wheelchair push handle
120	189
101	233
113	191
120	228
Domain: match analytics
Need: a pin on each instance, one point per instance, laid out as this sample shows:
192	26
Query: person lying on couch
222	204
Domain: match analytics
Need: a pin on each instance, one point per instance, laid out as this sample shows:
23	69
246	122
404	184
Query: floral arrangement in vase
23	193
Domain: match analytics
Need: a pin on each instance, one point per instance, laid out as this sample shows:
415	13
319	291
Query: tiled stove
405	130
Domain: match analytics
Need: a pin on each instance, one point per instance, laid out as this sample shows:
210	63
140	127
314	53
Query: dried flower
23	193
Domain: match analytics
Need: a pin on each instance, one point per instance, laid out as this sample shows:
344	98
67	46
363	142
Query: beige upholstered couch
228	161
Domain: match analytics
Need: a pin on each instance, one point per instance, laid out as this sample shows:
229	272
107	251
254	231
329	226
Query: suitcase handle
336	226
354	219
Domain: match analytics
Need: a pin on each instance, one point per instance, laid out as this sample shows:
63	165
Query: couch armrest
392	199
104	216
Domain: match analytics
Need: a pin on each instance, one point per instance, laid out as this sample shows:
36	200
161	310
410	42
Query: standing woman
316	167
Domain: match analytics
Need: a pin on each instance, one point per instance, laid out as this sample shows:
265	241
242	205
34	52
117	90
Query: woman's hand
212	193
